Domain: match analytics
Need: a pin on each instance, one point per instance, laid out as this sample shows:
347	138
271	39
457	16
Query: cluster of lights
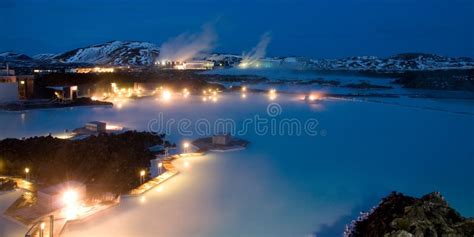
210	95
123	92
167	94
119	95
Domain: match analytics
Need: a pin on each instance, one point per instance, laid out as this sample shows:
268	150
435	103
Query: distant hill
137	53
12	56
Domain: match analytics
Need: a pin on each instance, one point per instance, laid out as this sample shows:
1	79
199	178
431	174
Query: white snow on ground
281	185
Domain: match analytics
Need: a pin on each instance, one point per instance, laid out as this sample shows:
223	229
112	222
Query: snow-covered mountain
113	53
136	53
397	63
44	56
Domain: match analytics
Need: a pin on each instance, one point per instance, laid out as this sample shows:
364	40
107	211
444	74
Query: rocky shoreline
28	105
398	215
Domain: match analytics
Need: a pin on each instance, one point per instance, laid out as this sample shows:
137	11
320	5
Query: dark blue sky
307	28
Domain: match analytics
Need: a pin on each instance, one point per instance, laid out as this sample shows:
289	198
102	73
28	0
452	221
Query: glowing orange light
166	95
272	94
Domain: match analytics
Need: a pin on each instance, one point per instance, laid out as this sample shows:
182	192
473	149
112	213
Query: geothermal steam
187	46
254	57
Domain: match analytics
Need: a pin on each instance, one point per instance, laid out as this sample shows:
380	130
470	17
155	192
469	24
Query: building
26	86
8	85
96	126
198	65
64	92
47	70
189	65
221	139
90	70
53	197
7	75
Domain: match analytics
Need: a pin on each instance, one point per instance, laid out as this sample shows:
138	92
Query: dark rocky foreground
404	216
105	163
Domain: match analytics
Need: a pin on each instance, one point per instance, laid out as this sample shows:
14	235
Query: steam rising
188	46
254	57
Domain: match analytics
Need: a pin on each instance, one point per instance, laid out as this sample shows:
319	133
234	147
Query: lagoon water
281	185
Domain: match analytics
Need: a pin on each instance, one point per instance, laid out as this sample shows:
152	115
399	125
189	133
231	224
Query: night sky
320	29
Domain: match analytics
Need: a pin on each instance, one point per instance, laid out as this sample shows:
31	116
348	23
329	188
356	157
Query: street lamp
27	173
160	165
42	226
186	146
142	176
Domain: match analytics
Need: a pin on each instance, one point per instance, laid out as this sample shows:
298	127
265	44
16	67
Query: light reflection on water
281	185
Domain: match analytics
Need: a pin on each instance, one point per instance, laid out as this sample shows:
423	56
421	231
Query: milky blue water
285	185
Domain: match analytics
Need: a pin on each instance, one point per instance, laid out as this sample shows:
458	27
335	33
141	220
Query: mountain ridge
142	53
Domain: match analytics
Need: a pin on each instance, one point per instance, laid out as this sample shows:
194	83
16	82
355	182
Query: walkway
170	171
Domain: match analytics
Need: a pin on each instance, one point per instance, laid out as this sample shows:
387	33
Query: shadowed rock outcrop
399	215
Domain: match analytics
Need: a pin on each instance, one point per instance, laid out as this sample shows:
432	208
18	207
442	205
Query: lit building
90	70
26	85
198	65
64	92
53	197
14	87
46	71
189	65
